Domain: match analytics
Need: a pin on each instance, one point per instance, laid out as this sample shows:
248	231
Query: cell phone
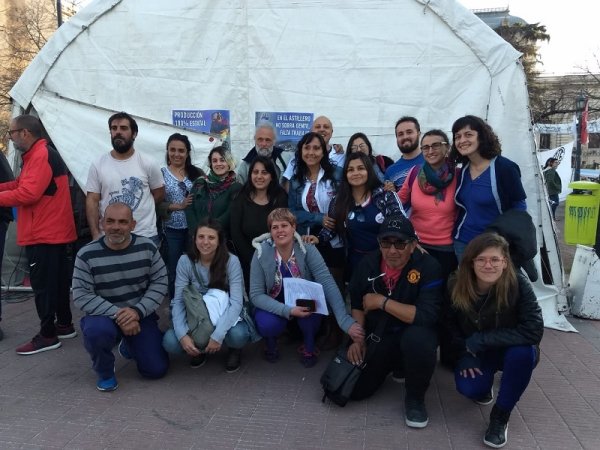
307	303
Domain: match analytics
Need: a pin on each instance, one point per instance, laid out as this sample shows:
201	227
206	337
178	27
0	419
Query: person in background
222	286
179	174
212	195
6	216
119	282
45	227
553	183
408	132
124	175
260	195
359	142
496	325
264	145
281	254
488	184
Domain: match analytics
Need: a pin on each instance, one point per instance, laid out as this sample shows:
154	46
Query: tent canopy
363	63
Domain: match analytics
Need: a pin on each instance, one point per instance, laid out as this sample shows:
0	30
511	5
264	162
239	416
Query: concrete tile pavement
49	401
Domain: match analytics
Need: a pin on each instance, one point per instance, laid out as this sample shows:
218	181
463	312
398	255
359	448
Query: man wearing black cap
403	286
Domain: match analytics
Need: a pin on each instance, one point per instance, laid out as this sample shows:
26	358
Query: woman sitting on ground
496	325
279	255
221	283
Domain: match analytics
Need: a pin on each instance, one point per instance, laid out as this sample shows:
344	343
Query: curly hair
489	144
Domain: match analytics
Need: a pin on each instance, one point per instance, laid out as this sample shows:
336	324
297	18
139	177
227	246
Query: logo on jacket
413	276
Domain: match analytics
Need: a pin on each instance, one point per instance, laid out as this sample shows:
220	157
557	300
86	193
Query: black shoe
234	360
415	413
198	361
497	431
487	398
398	375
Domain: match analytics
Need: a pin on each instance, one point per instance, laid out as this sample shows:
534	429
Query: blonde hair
281	214
464	293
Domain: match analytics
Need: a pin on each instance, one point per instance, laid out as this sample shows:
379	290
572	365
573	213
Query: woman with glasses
359	208
282	254
179	174
496	325
488	184
359	142
260	195
212	194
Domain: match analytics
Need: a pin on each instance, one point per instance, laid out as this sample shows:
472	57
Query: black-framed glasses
9	133
183	187
435	146
398	245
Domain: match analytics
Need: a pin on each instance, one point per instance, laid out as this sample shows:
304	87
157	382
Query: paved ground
49	401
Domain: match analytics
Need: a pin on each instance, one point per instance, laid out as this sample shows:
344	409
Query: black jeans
411	347
49	275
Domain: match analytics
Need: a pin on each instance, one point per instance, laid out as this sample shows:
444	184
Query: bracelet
383	304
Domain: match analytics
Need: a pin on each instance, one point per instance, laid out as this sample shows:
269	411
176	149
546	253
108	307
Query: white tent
363	63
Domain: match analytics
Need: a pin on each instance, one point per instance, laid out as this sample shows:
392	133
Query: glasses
435	146
9	133
494	261
359	147
398	245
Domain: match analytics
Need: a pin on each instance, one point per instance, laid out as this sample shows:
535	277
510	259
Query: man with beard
45	227
408	133
264	145
119	282
124	175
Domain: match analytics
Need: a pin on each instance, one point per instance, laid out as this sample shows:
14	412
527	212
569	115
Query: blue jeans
176	243
237	337
101	334
516	363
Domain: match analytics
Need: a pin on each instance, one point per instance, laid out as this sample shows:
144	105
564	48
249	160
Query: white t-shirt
128	181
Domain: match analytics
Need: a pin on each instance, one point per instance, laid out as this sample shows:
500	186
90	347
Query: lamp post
579	105
59	13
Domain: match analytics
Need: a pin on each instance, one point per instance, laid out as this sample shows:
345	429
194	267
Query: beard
264	151
115	238
121	145
411	148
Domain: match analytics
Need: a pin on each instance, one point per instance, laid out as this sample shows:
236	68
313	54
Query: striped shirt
105	280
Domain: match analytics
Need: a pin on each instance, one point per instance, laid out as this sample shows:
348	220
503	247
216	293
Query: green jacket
202	206
553	181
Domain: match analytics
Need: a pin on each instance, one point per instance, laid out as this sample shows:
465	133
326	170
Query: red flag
584	122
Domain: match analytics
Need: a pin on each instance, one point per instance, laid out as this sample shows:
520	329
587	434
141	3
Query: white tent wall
363	63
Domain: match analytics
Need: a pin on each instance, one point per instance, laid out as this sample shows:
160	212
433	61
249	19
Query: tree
28	26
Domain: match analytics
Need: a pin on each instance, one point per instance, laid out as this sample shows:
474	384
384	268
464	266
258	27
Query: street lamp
579	105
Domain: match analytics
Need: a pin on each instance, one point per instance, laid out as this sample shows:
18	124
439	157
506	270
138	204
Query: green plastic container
581	213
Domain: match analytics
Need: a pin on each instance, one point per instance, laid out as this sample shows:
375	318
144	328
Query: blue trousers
101	334
516	363
176	243
237	336
270	326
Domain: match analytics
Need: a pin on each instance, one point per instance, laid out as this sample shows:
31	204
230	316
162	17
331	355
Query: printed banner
212	121
289	126
564	169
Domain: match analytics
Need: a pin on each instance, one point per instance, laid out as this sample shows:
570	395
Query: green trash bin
581	213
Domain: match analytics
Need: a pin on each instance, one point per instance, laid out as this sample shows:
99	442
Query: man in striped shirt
119	281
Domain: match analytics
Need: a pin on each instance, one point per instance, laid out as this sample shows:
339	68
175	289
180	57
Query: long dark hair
301	171
191	171
489	144
344	201
274	189
218	266
364	137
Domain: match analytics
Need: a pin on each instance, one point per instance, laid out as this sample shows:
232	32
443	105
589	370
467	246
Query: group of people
409	241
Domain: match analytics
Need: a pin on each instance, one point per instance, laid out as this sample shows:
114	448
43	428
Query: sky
572	26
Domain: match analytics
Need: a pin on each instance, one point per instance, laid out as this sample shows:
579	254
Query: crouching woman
282	254
496	324
217	275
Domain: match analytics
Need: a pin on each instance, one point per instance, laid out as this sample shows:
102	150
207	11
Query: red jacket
41	195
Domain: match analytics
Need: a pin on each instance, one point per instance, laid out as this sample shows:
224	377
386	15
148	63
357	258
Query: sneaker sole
107	389
232	370
40	350
486	402
412	424
491	444
67	336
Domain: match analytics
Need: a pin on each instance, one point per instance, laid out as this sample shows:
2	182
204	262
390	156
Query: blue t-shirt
398	171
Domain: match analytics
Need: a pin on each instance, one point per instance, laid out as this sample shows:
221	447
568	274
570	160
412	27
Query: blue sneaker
124	349
107	384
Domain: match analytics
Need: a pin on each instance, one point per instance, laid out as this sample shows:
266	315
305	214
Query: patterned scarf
434	182
290	269
216	185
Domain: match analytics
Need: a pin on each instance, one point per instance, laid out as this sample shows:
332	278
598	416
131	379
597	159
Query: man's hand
356	332
212	347
131	329
187	344
472	372
372	301
356	353
125	316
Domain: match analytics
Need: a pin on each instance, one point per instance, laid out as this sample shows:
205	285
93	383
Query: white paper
295	288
